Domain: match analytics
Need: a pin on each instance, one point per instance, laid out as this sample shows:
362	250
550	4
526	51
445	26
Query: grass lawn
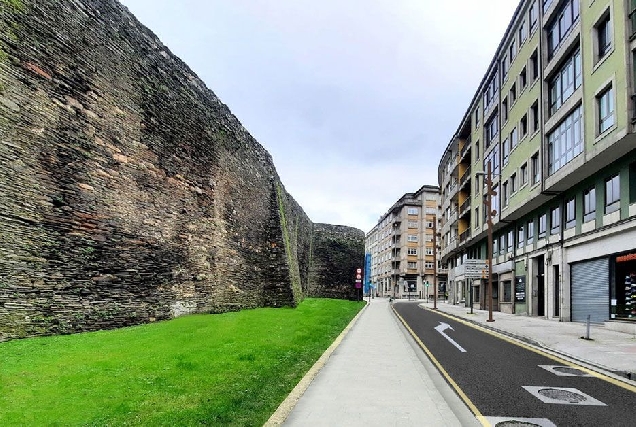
222	369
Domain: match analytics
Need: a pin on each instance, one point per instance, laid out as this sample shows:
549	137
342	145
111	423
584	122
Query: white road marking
441	328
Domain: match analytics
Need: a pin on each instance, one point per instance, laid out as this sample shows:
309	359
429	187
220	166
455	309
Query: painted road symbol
441	328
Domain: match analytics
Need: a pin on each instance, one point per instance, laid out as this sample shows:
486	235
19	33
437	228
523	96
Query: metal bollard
587	333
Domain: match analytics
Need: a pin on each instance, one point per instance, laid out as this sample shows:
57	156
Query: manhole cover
515	423
568	370
564	395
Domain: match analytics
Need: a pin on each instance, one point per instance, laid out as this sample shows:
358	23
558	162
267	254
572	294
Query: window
555	220
477	150
534	15
493	159
428	265
492	129
589	204
502	244
504	194
513	51
513	183
491	92
429	251
603	36
520	236
530	229
612	194
412	238
523	80
476	217
412	211
523	32
536	171
411	251
605	102
565	142
429	224
524	173
534	62
506	151
513	138
412	265
504	67
534	113
412	224
566	80
570	213
494	203
495	246
524	125
513	93
504	110
546	4
542	225
477	117
560	26
511	240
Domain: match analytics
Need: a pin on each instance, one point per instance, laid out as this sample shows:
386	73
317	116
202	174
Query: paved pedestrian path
607	349
375	377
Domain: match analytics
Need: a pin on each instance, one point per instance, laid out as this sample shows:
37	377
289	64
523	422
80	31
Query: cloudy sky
355	99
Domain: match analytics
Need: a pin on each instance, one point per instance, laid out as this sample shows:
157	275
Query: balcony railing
464	207
464	236
465	177
465	149
632	18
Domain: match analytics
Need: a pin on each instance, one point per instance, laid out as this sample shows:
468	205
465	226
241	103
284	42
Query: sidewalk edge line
284	409
445	374
557	356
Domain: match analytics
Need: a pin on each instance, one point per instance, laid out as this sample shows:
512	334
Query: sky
356	100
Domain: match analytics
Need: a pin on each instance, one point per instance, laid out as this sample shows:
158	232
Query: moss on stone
294	273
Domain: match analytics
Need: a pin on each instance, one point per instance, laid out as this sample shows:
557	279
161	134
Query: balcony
464	236
465	149
632	18
464	208
465	178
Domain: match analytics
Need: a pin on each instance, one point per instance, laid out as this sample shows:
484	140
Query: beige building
404	257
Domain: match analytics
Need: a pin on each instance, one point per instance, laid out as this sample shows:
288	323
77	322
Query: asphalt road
492	373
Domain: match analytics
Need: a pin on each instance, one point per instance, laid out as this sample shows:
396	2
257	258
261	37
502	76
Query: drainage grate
519	422
565	371
563	396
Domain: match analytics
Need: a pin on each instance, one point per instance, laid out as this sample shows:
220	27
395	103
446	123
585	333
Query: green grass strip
224	369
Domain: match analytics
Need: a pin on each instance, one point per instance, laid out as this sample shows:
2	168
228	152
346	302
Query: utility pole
435	260
489	195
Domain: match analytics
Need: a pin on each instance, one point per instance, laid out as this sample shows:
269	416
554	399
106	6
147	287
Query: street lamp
491	213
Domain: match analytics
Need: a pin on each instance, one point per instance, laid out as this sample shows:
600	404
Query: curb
630	376
284	409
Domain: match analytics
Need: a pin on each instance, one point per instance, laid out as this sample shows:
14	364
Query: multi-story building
554	119
404	258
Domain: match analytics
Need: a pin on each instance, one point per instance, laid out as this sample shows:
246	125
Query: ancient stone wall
337	252
128	191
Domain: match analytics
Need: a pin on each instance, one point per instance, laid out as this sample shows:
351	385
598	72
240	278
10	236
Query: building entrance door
540	286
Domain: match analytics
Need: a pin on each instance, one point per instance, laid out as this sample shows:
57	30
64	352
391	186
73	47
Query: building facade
554	120
404	247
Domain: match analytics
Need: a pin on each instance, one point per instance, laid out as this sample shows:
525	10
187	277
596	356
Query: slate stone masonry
129	192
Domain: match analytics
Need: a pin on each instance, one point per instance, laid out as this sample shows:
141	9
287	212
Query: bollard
587	333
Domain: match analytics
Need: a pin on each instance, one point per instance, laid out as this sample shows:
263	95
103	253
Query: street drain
565	371
515	423
519	422
560	394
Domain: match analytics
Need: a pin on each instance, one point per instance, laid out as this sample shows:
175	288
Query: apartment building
554	120
404	247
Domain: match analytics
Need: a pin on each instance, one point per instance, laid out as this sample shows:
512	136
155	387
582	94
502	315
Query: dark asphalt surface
493	371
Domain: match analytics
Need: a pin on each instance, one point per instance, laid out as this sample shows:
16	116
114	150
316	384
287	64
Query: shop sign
625	258
520	289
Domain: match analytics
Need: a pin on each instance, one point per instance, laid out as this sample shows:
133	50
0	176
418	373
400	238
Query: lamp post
434	262
489	215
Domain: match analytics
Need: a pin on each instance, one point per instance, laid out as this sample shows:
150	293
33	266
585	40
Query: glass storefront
623	299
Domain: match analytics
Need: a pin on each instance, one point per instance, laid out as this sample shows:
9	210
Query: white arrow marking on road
441	328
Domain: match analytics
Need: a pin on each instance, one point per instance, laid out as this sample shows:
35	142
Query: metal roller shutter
590	290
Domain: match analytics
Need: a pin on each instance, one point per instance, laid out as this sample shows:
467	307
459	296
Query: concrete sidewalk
608	350
378	377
